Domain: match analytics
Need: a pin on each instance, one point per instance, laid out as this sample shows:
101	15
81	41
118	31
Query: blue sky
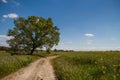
84	24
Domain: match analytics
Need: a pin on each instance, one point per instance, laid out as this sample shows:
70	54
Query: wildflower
101	59
104	72
103	67
95	62
114	77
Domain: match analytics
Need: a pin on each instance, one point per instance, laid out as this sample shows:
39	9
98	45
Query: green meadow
88	66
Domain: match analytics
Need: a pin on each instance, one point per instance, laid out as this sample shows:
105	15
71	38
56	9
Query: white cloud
4	1
5	16
11	15
89	41
12	1
5	37
3	43
88	35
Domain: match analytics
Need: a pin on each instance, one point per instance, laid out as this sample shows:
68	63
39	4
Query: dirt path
38	70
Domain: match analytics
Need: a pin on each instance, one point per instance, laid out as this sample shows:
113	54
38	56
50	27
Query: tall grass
88	66
10	63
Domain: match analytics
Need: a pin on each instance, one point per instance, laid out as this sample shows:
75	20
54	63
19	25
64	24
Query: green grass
44	54
10	63
88	66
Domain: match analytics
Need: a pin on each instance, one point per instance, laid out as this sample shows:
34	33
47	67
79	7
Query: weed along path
38	70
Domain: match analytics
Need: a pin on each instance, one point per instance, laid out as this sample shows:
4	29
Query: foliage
31	33
88	66
3	48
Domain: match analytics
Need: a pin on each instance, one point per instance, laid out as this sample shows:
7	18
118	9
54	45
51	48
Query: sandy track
38	70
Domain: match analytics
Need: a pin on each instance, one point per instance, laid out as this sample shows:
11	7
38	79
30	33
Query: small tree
34	32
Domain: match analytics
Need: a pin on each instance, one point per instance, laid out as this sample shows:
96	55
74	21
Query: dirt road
38	70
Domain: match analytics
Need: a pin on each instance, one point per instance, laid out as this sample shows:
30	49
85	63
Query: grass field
88	66
10	63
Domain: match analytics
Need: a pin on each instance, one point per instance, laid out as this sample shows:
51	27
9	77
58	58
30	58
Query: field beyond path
38	70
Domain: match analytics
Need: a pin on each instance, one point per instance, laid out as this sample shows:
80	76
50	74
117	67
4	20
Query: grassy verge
88	66
44	54
10	63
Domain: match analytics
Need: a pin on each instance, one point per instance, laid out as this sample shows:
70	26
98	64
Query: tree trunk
32	51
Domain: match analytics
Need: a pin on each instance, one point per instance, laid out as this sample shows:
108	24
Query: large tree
33	32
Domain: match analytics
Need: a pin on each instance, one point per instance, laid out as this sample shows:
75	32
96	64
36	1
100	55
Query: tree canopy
33	32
